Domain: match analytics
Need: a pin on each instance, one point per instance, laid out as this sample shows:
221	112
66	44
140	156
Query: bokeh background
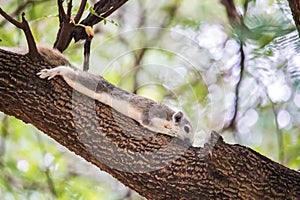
186	54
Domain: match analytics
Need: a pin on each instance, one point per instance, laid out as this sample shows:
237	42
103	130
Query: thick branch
156	166
66	28
295	7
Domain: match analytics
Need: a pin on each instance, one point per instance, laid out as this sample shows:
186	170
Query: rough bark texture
295	7
156	166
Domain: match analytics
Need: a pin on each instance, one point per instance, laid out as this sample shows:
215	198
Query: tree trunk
156	166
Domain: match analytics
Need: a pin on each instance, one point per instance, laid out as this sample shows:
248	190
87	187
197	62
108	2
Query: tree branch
61	12
80	11
236	21
11	20
232	123
233	16
156	166
33	51
69	9
103	8
68	30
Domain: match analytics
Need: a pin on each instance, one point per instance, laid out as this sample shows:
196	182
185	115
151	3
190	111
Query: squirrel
152	115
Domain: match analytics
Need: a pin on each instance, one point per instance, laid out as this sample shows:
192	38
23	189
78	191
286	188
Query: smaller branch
33	51
50	183
140	54
103	8
68	30
61	12
64	37
236	21
232	14
66	27
165	22
80	11
69	10
10	19
137	64
232	123
114	8
61	17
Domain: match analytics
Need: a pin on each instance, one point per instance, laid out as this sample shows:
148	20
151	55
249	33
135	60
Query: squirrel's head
183	127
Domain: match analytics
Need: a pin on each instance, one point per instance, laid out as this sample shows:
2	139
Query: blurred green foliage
192	62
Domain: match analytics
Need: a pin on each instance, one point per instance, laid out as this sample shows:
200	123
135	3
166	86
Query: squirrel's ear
177	116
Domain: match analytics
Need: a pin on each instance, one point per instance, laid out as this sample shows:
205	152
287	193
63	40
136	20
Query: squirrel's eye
186	129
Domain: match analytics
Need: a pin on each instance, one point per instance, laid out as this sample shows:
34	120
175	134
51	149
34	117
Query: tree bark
156	166
295	8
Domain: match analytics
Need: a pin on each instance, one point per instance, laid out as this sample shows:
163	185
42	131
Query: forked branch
32	48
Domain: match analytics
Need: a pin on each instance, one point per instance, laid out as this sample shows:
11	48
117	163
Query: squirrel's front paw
50	73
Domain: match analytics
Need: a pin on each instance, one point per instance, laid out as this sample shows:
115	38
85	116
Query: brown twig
66	27
33	51
69	30
69	8
138	60
103	8
232	14
80	11
232	123
236	21
61	12
165	22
